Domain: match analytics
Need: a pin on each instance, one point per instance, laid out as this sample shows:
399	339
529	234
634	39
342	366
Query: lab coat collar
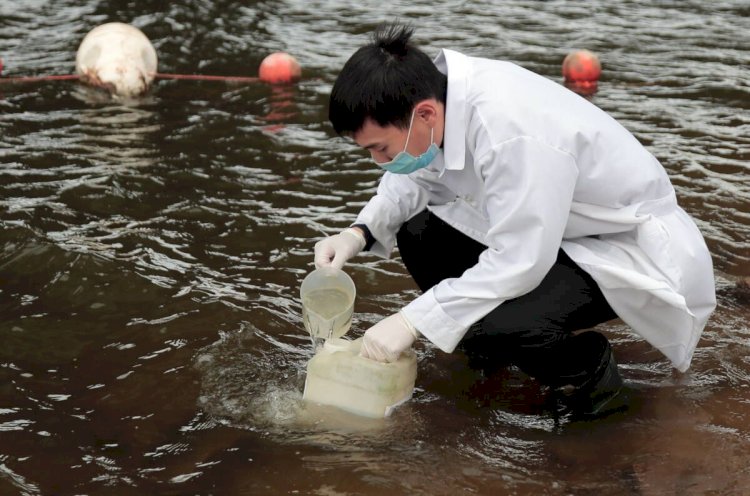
456	66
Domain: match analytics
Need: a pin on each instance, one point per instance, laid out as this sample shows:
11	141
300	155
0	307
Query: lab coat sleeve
528	187
398	199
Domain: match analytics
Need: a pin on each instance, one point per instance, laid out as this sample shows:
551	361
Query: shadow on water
151	253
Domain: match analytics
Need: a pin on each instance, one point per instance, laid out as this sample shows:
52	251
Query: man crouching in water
523	212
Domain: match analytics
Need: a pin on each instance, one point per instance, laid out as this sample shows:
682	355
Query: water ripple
158	244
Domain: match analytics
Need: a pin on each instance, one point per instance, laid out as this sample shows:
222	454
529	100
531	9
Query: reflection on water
151	253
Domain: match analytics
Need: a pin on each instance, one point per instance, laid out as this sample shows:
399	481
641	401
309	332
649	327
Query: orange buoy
279	67
581	66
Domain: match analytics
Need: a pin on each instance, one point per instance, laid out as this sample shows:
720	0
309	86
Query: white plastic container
339	377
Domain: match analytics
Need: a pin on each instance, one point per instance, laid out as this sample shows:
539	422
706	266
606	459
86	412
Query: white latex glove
386	340
335	250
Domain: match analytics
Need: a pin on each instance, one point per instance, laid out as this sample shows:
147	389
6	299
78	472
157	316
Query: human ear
427	110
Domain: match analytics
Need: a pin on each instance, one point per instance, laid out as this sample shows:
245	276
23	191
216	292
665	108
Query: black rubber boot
592	392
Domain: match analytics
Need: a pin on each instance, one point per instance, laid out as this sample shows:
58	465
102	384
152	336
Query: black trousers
533	331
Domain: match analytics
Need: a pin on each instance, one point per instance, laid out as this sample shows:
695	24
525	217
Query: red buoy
1	67
279	67
581	66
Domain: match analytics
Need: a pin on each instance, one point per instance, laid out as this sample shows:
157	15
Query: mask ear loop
411	122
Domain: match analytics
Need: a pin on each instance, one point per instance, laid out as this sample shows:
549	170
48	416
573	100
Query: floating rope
34	79
158	75
204	77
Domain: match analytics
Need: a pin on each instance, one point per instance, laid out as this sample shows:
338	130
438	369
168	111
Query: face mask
406	163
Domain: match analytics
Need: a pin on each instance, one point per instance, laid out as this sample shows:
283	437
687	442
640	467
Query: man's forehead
373	133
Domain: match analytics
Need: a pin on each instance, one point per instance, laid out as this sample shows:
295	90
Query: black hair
383	81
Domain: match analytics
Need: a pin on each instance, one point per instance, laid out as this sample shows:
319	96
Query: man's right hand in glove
335	250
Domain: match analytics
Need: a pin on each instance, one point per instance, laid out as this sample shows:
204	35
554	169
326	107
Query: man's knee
410	233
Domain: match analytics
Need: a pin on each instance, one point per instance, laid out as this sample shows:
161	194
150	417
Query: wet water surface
151	253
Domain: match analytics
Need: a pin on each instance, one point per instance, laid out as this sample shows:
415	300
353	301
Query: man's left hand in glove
386	340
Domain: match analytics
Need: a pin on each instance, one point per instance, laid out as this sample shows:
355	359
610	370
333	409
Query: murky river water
151	338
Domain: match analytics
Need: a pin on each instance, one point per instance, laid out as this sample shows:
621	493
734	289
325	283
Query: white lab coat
527	167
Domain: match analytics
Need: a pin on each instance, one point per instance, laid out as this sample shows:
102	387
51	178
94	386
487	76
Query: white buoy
118	57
